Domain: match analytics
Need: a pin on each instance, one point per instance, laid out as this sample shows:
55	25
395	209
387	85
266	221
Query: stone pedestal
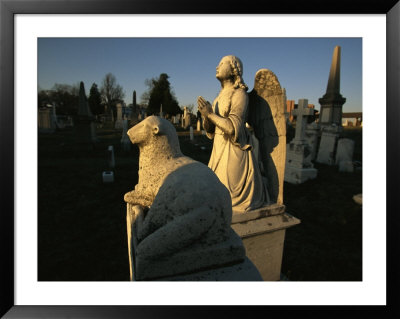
263	234
299	167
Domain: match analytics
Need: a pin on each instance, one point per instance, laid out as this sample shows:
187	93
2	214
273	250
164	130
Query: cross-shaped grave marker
301	112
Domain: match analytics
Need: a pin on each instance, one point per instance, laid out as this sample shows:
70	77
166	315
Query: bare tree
111	91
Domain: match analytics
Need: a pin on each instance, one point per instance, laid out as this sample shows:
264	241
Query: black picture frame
8	9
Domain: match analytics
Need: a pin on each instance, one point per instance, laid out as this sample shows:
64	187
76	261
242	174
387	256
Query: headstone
118	121
108	177
191	133
299	167
332	102
110	156
185	111
198	125
54	116
186	121
126	143
182	235
45	123
327	145
344	155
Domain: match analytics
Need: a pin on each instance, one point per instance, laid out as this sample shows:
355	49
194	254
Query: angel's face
224	69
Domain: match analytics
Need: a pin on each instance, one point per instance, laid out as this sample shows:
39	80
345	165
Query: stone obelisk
134	102
85	126
332	102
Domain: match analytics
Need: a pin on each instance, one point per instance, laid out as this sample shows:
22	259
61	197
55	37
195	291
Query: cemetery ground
82	222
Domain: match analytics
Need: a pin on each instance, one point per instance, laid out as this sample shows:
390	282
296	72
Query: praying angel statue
249	132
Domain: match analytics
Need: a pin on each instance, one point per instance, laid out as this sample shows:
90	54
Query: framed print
40	39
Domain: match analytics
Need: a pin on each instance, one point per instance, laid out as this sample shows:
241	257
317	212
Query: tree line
103	100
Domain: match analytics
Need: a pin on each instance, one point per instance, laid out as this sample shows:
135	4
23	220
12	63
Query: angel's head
231	67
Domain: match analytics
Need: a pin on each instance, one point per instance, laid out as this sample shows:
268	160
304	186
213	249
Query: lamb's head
156	132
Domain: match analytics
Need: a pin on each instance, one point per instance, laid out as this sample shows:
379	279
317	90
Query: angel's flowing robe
232	158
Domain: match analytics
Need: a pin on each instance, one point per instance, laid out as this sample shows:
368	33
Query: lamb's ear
156	129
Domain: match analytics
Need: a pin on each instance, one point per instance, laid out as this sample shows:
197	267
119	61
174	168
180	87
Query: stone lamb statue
179	213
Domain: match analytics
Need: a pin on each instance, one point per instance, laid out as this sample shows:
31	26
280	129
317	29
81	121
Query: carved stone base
263	234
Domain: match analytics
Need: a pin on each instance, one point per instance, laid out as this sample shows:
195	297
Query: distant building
352	119
289	108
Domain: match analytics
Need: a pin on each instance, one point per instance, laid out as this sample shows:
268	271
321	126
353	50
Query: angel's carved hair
237	72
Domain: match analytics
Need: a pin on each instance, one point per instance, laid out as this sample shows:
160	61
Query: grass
82	228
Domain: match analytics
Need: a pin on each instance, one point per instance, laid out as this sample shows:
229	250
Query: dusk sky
301	64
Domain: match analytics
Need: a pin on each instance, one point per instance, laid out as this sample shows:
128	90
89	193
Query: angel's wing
267	118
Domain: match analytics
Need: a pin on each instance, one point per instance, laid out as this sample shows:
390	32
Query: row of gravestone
313	143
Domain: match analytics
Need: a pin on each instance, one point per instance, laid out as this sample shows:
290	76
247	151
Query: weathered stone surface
179	213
